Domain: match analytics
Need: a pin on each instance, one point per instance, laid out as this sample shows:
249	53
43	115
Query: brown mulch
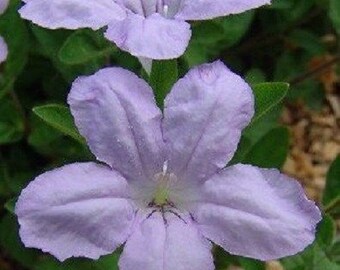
315	143
315	136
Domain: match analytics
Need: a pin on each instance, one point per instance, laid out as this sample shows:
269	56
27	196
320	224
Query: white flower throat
163	196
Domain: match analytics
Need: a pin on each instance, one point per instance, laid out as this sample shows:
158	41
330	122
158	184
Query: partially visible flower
3	45
165	191
3	50
154	29
3	6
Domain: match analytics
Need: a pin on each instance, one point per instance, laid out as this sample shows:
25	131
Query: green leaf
206	32
313	258
287	66
10	205
196	54
271	150
334	252
299	9
49	43
309	41
250	264
163	76
50	142
311	92
11	122
235	27
11	243
59	117
255	76
222	259
252	134
281	4
334	13
227	30
267	96
15	173
82	47
326	232
14	31
331	195
109	262
209	38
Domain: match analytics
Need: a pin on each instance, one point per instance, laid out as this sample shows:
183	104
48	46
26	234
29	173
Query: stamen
165	168
165	10
164	184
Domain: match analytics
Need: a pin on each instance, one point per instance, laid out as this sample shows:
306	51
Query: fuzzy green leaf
59	117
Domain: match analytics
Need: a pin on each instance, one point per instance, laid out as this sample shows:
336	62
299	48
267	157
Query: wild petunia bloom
155	29
3	45
164	191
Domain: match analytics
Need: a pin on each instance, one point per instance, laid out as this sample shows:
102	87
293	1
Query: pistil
163	183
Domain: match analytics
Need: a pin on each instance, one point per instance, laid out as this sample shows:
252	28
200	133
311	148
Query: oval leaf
81	47
331	195
59	117
271	150
267	96
163	76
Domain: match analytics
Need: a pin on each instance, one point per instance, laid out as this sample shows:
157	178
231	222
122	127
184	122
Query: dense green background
274	43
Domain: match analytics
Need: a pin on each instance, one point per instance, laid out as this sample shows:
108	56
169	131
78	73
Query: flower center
165	181
166	198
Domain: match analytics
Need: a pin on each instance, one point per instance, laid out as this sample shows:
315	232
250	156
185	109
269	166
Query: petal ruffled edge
257	213
78	210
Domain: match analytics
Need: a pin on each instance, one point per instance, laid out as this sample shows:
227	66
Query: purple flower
164	191
3	45
154	29
3	6
3	50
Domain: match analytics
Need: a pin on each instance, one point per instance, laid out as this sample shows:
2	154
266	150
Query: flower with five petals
152	29
162	187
